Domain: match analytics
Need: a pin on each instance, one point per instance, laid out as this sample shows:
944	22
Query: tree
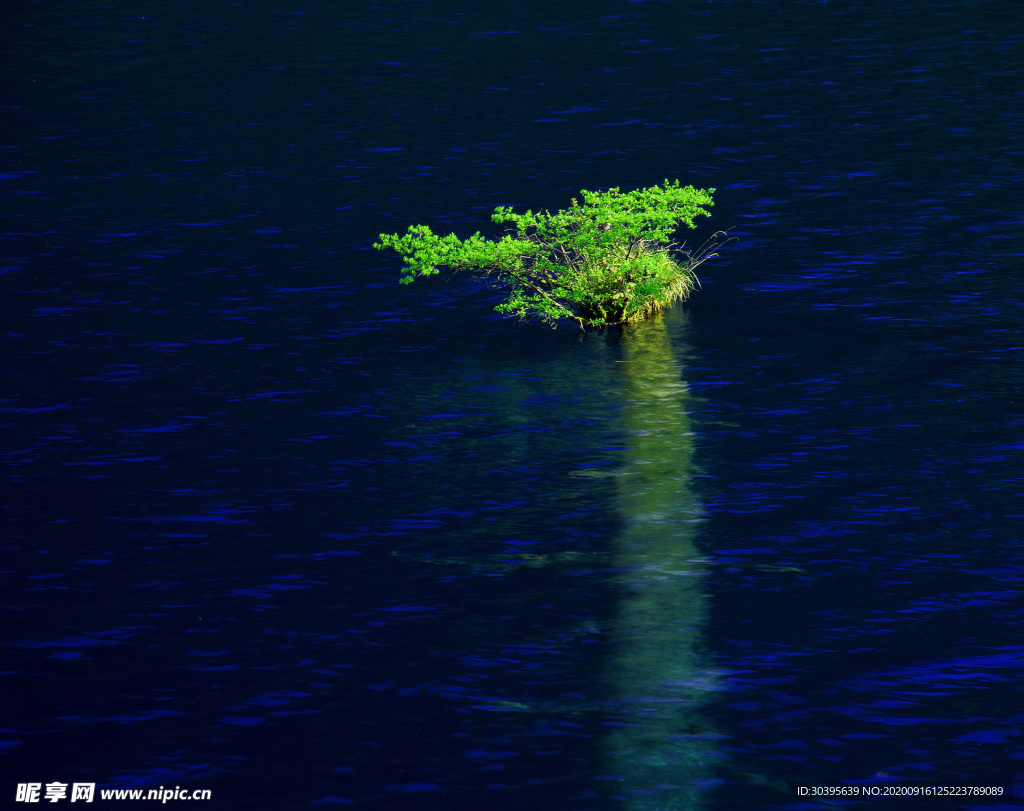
605	261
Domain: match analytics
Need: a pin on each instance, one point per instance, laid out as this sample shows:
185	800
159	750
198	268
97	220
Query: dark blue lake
280	528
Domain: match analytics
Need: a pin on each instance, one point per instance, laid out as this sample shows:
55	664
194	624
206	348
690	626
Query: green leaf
603	261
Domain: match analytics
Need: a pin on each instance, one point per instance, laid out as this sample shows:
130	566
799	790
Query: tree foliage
607	260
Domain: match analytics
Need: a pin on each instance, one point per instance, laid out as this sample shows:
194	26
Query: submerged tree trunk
663	752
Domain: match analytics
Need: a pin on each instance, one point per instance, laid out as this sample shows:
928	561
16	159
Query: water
280	528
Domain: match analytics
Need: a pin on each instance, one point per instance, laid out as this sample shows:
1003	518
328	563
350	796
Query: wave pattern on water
281	527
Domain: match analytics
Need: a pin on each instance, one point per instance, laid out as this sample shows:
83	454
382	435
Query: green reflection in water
662	752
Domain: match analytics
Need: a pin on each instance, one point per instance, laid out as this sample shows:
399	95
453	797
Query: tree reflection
659	748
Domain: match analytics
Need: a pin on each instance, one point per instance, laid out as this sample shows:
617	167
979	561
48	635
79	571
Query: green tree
607	260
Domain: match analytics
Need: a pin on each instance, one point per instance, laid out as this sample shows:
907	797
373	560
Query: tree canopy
607	260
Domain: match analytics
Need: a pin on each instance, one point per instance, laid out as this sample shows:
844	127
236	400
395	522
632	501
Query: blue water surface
278	527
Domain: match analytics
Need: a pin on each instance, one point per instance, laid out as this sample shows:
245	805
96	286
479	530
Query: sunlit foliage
607	260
